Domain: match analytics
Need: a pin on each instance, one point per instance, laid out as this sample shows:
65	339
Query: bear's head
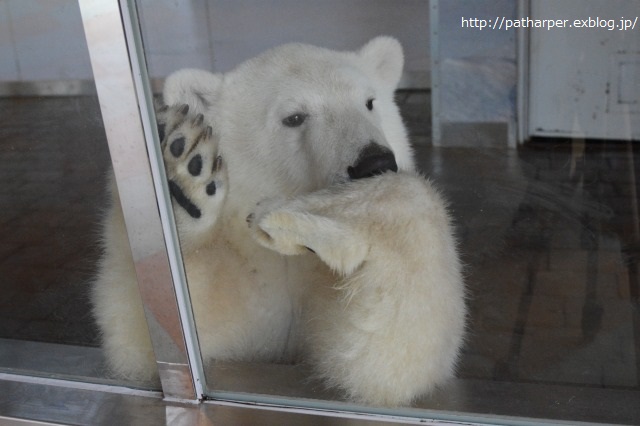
299	118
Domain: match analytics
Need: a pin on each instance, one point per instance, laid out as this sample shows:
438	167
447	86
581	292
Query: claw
159	106
184	109
217	163
197	121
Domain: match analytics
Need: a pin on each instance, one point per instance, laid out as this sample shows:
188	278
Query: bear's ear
197	88
384	55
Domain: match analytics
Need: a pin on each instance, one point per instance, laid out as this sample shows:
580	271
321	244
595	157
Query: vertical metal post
522	54
125	102
436	119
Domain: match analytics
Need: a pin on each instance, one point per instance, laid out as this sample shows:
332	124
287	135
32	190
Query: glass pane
547	228
55	168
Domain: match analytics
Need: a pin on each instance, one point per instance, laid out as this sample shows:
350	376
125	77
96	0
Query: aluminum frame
436	119
114	44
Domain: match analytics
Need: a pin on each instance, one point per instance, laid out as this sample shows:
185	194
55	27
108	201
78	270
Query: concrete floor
549	234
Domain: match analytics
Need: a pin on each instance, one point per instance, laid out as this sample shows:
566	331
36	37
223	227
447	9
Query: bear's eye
294	120
370	104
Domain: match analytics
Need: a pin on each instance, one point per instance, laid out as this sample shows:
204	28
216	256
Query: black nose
373	160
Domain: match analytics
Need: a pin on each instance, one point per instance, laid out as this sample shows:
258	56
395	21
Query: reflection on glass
233	146
54	163
548	229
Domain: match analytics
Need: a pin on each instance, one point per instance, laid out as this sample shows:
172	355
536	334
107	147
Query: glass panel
140	302
55	166
547	229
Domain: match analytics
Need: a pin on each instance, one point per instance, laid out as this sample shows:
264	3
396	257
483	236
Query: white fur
378	310
390	327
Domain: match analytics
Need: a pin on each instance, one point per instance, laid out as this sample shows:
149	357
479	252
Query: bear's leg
291	227
125	336
117	305
390	329
195	170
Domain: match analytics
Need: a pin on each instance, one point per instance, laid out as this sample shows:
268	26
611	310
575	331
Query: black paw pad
177	147
195	165
161	128
183	200
211	188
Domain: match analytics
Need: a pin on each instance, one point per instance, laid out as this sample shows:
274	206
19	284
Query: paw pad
195	165
183	200
161	131
211	188
196	172
177	147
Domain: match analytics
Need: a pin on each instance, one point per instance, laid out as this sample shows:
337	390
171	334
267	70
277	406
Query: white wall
44	40
476	76
585	82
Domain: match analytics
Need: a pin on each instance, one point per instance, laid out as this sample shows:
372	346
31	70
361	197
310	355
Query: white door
585	82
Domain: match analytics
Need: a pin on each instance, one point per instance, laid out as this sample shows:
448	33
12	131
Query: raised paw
288	227
195	170
276	228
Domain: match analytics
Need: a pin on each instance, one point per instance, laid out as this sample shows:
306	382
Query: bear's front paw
288	227
195	169
275	228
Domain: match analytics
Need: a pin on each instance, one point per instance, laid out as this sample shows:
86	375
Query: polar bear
307	235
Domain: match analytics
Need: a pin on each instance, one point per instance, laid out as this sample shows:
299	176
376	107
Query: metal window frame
522	55
115	50
434	39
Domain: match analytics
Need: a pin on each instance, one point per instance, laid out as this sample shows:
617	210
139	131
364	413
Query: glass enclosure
55	164
525	115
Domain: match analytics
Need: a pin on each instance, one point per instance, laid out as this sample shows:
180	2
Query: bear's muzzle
374	159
